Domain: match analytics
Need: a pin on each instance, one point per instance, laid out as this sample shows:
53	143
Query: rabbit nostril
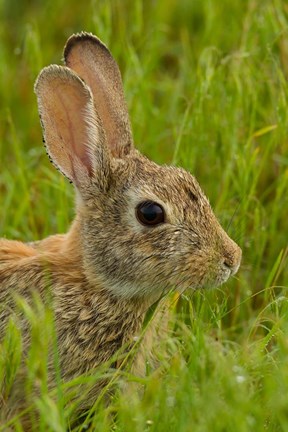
228	264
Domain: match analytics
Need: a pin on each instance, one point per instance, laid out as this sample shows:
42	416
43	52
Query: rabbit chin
128	290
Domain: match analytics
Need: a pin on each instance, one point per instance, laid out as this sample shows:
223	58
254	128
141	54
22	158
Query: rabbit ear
73	134
93	62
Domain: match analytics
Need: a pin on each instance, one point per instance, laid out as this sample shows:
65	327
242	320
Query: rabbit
140	229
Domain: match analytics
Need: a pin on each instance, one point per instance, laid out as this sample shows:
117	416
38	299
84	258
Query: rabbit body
85	314
91	323
117	259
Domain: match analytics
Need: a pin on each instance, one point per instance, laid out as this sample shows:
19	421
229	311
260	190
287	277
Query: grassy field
206	86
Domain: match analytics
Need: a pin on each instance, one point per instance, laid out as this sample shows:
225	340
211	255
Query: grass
206	85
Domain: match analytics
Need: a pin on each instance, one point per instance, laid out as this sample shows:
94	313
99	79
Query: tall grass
206	85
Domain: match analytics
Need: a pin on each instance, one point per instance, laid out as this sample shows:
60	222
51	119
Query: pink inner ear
65	112
72	126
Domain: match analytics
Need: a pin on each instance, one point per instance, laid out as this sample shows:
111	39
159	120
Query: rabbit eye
150	213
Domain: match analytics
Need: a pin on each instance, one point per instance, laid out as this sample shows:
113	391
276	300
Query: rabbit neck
74	249
92	323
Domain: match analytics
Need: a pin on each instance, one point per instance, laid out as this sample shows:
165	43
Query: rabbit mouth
224	275
207	281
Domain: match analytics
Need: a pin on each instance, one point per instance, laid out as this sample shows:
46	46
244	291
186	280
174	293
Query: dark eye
150	213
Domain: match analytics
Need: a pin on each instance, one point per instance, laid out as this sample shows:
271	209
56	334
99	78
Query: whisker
233	216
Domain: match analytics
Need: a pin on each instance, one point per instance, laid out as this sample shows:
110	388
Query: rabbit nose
232	260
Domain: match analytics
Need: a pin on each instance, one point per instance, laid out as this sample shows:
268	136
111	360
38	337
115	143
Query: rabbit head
143	228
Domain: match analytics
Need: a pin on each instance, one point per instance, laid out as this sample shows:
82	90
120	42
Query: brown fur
108	269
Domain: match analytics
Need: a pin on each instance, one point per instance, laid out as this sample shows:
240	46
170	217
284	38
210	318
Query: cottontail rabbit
140	229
